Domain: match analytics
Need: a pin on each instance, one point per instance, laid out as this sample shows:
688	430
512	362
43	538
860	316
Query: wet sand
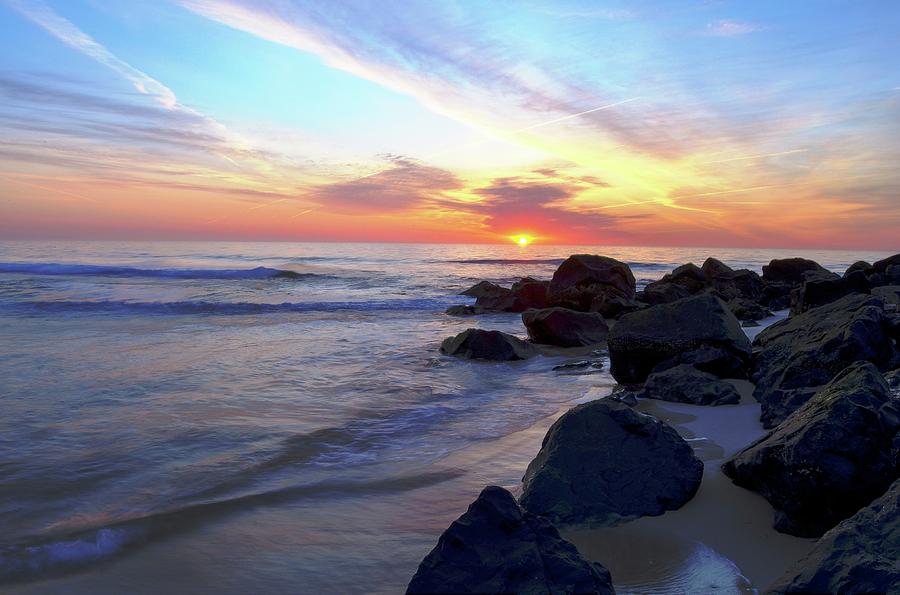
722	540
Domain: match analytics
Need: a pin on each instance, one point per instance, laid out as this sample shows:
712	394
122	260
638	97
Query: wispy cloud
730	28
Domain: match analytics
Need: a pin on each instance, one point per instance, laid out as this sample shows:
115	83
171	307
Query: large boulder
859	265
790	270
524	294
798	355
485	289
859	556
602	462
744	309
820	288
686	384
496	547
565	328
780	277
829	458
670	334
476	343
730	284
587	282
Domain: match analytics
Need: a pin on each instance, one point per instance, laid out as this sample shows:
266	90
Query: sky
682	123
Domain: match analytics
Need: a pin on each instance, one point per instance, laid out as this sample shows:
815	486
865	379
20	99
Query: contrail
570	116
746	157
301	213
48	189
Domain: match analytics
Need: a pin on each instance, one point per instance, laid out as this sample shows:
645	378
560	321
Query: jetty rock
602	462
829	458
861	555
794	357
698	330
591	283
487	345
497	547
686	384
565	328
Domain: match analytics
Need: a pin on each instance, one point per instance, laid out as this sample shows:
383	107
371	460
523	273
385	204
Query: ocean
201	417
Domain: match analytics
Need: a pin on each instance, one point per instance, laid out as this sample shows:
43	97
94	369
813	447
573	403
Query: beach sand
722	540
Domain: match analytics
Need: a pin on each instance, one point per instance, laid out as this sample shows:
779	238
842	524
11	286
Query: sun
522	240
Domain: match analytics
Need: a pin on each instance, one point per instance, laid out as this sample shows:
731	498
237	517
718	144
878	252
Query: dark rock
524	294
796	356
881	266
890	294
829	458
485	289
859	265
601	462
790	270
819	288
743	283
687	384
714	268
464	310
580	368
490	345
582	278
663	292
496	547
565	328
722	363
860	555
744	309
612	305
641	340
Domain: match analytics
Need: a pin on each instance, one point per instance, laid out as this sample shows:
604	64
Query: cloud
729	28
541	205
405	185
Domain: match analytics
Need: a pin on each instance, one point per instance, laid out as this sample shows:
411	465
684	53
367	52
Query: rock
744	309
790	270
819	288
829	458
881	266
611	305
782	276
582	278
860	555
490	345
485	289
686	384
601	462
524	294
565	328
496	547
723	363
662	292
580	368
641	340
859	265
464	310
743	284
684	281
714	268
796	356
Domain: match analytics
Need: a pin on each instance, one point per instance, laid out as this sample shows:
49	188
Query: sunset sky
704	123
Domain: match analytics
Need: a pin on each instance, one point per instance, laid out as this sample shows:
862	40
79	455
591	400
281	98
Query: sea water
264	417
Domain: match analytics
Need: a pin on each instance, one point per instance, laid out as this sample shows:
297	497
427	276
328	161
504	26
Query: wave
94	270
556	261
214	308
553	261
53	556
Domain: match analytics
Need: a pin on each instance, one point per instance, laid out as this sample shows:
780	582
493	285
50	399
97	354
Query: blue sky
638	122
